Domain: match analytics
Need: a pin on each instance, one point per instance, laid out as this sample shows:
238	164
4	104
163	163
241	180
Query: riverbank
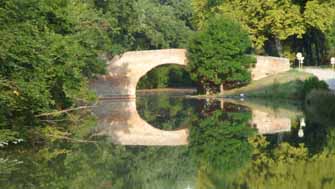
285	85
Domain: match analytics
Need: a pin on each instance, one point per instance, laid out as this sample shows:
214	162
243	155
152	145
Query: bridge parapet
125	70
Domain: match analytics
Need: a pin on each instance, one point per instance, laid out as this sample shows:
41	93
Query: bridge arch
125	71
166	76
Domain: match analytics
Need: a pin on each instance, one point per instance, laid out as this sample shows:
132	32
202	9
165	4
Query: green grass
285	85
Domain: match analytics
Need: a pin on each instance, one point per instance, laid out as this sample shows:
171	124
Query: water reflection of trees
168	113
101	166
224	152
307	162
219	145
287	167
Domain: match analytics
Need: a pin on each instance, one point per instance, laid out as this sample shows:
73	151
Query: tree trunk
279	47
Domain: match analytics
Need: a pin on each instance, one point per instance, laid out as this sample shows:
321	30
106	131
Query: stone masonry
267	66
124	71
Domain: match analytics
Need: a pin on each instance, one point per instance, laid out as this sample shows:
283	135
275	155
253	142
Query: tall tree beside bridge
218	55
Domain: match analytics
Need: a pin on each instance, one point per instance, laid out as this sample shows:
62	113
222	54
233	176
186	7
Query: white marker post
332	62
301	131
300	59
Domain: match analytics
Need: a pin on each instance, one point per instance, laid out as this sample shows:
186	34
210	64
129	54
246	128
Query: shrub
321	105
313	83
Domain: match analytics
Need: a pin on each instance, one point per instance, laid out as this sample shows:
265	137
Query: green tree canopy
49	50
147	24
278	28
217	55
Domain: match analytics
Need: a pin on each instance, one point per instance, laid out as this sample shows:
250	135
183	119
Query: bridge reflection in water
119	121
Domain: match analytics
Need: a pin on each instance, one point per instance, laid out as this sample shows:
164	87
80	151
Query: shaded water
168	141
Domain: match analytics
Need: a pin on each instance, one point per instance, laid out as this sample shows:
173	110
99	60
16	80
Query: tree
50	50
145	24
277	28
330	37
182	9
217	55
203	9
266	20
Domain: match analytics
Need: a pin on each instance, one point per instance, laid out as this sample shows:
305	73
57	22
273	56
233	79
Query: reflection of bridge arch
120	121
125	71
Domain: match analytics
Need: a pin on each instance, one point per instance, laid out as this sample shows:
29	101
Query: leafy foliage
277	28
217	55
166	76
51	49
330	37
8	136
146	24
264	19
226	154
149	24
313	83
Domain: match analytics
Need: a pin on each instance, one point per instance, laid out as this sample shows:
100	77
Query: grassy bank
285	85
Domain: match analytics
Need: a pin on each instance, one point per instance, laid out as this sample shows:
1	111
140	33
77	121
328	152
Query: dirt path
327	75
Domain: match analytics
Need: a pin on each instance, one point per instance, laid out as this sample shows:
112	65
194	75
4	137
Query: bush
321	105
313	83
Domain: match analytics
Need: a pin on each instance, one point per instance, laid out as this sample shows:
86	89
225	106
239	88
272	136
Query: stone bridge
124	71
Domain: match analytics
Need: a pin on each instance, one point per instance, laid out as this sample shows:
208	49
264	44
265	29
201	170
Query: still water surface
174	142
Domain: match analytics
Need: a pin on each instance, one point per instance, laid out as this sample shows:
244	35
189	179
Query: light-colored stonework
119	121
268	120
125	71
267	66
267	123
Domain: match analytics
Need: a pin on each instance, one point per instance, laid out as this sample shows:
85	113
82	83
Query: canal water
174	142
